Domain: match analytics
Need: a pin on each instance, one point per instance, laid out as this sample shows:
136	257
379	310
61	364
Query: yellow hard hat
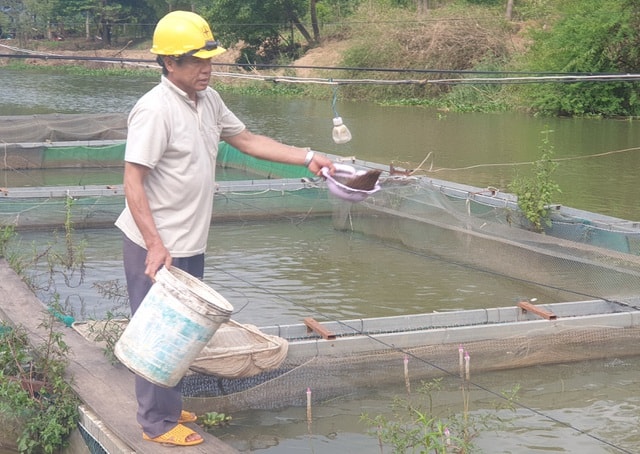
184	33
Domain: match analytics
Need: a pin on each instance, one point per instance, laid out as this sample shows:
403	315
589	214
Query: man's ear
169	63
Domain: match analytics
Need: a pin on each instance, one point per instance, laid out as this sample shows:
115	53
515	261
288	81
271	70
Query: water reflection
25	93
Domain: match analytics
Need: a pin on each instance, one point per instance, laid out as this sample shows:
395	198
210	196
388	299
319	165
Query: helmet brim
209	53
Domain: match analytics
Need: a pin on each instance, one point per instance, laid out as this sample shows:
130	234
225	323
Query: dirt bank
328	54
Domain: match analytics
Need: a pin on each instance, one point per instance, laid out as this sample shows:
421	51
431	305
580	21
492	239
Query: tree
591	36
260	25
41	14
509	14
313	13
85	8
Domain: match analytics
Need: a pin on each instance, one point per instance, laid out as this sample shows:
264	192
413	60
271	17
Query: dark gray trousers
158	407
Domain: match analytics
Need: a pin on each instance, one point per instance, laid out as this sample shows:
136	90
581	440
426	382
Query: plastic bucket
174	322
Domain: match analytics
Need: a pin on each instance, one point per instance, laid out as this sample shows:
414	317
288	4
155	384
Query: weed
107	332
6	234
535	193
33	392
213	419
417	426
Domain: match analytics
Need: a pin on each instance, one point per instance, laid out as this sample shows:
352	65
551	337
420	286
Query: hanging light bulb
341	133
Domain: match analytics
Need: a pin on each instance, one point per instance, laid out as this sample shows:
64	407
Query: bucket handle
215	314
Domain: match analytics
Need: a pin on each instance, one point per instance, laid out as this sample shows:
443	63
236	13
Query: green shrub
535	193
418	424
33	393
592	36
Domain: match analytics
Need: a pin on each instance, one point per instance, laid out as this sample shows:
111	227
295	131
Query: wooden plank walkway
107	391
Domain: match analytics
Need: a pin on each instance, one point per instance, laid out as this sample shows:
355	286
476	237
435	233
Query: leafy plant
213	419
34	394
416	425
108	332
535	193
33	391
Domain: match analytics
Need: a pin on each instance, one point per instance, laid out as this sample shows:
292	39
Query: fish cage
598	275
367	354
587	260
62	140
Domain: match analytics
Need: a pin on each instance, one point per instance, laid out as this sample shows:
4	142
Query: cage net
28	129
353	374
580	258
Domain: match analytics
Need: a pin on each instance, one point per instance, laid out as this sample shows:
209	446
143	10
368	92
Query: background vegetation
439	42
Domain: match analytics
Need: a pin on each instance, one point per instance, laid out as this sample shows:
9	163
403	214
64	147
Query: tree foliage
591	36
270	29
55	19
261	24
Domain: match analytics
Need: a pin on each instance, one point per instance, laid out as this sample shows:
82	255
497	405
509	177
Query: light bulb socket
337	121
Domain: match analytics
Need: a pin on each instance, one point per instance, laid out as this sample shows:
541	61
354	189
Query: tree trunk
314	21
509	14
422	6
301	28
293	17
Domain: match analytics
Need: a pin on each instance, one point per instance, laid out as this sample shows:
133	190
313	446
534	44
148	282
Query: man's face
190	74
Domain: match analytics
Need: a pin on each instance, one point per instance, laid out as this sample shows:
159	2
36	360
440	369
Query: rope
541	79
513	164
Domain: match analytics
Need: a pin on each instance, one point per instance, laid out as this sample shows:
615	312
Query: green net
228	156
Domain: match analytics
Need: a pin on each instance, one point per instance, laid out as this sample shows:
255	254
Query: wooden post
527	306
313	325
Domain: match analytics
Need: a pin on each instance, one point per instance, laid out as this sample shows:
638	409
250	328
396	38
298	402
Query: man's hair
179	59
160	60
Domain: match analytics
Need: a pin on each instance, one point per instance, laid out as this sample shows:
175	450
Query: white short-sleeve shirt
178	140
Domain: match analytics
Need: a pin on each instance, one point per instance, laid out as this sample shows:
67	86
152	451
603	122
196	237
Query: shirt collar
167	83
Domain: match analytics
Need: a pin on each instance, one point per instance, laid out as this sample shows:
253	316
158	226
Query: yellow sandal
175	437
187	417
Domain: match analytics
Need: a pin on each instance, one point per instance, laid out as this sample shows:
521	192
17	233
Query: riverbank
364	41
329	53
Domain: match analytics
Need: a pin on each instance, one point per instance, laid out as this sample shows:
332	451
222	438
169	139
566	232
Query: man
170	156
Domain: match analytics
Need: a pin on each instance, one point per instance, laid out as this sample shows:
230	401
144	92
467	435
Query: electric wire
500	77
